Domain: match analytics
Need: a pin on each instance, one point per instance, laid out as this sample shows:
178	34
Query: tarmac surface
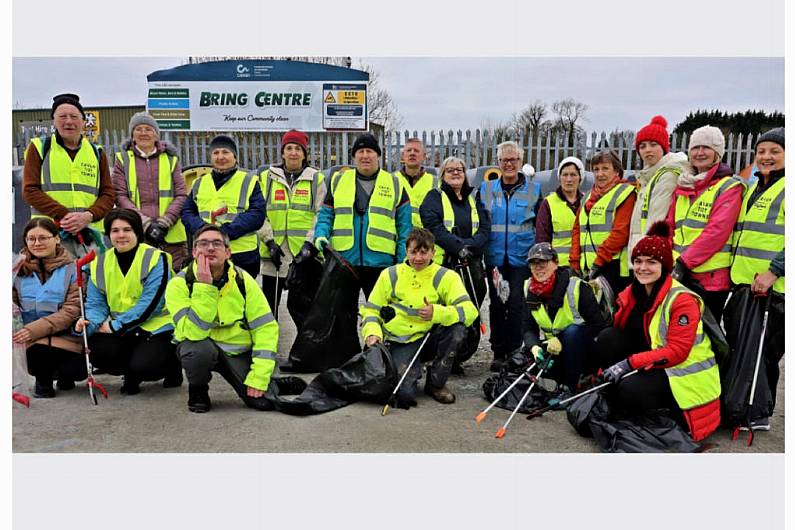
157	421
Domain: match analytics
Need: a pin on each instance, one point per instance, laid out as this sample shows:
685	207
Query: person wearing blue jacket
129	328
512	202
232	199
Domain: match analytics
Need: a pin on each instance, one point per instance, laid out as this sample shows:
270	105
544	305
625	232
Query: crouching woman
657	329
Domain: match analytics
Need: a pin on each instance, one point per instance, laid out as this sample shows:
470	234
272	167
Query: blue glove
615	372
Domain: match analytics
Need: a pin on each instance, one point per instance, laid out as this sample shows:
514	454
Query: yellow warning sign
351	96
329	98
91	129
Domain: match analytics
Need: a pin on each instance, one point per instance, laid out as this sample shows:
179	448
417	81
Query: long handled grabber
475	296
276	298
88	258
526	373
394	392
501	431
756	376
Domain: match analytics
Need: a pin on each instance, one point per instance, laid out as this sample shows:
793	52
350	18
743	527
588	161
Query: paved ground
157	420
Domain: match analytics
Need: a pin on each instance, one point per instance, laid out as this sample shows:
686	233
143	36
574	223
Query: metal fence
477	148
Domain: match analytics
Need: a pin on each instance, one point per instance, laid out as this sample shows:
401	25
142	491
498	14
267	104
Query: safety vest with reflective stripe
405	290
291	213
695	381
417	193
568	314
381	212
38	300
234	194
512	224
122	291
760	235
691	218
644	206
562	222
596	225
165	186
72	183
236	323
448	218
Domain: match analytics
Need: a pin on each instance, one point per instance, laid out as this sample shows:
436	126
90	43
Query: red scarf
598	191
543	289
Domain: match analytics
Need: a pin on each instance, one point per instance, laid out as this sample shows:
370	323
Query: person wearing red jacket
657	329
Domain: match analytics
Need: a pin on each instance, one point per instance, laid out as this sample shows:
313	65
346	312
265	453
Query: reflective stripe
400	338
370	305
263	354
243	199
461	299
233	348
694	368
343	210
277	207
340	232
166	193
303	207
409	311
767	255
29	305
415	209
512	229
70	187
261	321
99	281
381	233
572	303
767	227
437	278
201	324
294	233
461	315
393	278
382	211
182	313
145	260
371	320
561	234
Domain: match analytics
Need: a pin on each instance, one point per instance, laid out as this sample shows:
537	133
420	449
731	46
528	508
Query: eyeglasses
509	160
204	244
453	170
40	239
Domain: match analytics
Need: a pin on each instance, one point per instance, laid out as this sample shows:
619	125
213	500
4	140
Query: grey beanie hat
223	141
144	118
709	136
773	135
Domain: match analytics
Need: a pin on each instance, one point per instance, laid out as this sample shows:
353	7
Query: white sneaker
759	424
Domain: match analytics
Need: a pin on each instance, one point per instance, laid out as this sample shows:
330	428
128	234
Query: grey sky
465	92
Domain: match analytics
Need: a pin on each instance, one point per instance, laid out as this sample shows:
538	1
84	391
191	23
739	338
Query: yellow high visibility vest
417	193
234	194
568	314
644	207
448	218
596	225
562	223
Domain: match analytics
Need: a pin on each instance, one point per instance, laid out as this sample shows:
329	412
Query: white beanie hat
572	160
709	136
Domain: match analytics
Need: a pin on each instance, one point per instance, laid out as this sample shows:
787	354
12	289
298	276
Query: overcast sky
465	93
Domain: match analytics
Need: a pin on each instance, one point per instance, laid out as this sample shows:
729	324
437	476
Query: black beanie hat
773	135
223	141
366	140
71	99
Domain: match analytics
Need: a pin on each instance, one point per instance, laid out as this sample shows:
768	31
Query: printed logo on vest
279	195
300	191
683	320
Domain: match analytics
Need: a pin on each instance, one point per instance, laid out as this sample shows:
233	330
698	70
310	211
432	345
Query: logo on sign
241	69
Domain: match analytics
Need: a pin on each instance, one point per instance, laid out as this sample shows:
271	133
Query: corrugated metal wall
110	118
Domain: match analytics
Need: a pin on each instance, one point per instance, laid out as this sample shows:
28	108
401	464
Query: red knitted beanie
654	132
656	244
294	136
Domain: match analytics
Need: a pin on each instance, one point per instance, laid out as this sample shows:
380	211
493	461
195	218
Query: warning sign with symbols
91	129
345	106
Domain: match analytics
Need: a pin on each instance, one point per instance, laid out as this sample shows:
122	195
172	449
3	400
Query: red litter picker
85	260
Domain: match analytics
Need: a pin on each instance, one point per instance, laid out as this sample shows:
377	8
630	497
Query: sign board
91	129
258	96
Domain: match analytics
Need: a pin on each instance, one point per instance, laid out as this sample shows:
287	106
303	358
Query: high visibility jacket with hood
73	183
512	221
690	219
417	193
759	236
236	323
596	225
134	299
406	290
165	184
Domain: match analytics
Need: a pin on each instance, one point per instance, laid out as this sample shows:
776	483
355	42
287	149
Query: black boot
499	360
130	386
199	398
65	384
173	380
43	389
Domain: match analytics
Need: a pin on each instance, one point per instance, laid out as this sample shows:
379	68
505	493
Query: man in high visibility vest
416	180
424	297
366	215
230	198
66	177
222	323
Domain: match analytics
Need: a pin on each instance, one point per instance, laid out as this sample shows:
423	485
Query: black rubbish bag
303	280
368	376
654	432
743	319
328	336
496	384
710	326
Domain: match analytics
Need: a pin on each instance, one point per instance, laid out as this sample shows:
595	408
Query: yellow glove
538	353
554	347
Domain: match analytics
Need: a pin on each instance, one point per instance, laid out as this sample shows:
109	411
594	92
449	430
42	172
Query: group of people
177	290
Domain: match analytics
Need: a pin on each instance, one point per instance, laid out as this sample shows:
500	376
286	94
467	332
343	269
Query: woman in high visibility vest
148	179
46	291
559	209
758	253
600	233
461	227
657	329
704	210
129	328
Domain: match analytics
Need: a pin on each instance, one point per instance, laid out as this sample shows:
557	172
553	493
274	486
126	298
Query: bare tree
531	119
568	114
380	106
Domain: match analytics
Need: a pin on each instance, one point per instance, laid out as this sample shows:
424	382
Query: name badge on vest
279	195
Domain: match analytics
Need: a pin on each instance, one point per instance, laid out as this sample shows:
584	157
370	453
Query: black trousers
505	319
474	278
367	278
201	358
46	363
715	301
269	290
137	355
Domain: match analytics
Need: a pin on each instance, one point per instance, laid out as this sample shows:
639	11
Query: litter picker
394	392
88	258
501	431
475	296
526	373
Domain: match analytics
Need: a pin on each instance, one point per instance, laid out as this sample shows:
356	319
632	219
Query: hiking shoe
173	381
199	398
43	389
442	395
759	424
130	387
65	384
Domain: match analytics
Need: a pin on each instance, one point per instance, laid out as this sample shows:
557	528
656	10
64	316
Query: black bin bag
328	336
742	319
496	384
368	376
303	280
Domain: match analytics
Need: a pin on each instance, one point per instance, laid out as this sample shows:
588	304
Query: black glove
276	253
156	233
307	251
465	255
680	272
615	372
594	273
387	313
